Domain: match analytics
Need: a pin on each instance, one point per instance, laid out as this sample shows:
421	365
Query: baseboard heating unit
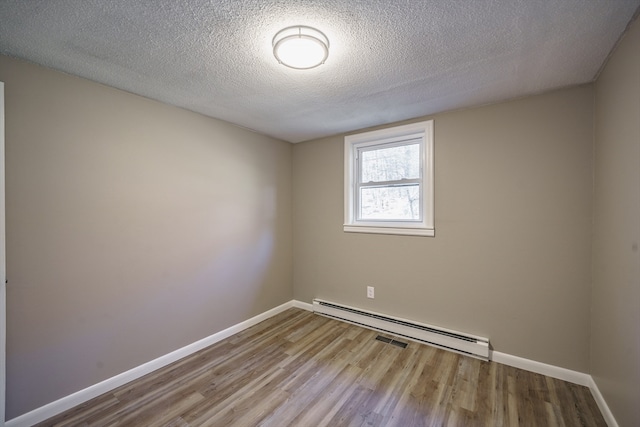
450	340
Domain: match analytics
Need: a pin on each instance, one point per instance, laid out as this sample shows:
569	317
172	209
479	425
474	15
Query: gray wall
133	229
615	323
511	259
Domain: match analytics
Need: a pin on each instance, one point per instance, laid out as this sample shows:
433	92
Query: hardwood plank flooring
301	369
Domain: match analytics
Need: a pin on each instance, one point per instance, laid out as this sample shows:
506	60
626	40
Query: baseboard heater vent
444	338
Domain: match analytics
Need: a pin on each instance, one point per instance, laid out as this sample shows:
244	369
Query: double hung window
389	181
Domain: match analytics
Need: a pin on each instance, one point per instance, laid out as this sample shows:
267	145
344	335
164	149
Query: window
389	181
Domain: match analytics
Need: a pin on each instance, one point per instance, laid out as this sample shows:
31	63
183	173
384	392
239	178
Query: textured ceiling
390	60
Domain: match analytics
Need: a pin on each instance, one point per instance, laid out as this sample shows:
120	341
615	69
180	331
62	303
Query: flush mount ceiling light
300	47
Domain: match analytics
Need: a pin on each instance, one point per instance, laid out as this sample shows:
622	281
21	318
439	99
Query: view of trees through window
389	178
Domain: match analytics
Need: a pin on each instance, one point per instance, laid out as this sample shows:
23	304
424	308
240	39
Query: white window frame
423	132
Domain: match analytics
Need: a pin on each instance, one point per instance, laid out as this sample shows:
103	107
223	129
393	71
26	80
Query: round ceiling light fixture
300	47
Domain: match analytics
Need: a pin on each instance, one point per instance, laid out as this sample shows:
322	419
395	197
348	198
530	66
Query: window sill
402	231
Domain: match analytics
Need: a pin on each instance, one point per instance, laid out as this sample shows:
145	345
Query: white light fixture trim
300	47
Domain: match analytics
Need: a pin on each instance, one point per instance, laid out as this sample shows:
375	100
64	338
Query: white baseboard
54	408
303	305
542	368
604	408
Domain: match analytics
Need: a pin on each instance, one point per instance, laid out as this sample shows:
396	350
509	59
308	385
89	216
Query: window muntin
389	181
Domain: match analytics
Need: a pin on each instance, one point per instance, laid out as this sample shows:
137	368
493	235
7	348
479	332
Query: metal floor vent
444	338
398	343
392	341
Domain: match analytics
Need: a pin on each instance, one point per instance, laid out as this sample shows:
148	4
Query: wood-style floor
301	369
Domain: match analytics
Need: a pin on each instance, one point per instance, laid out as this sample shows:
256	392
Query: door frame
3	271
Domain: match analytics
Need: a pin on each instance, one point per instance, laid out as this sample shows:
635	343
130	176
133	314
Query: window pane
391	164
390	203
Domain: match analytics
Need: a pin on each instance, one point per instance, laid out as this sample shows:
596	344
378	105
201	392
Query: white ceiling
390	60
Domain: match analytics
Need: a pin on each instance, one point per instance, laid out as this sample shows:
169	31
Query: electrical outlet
370	292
